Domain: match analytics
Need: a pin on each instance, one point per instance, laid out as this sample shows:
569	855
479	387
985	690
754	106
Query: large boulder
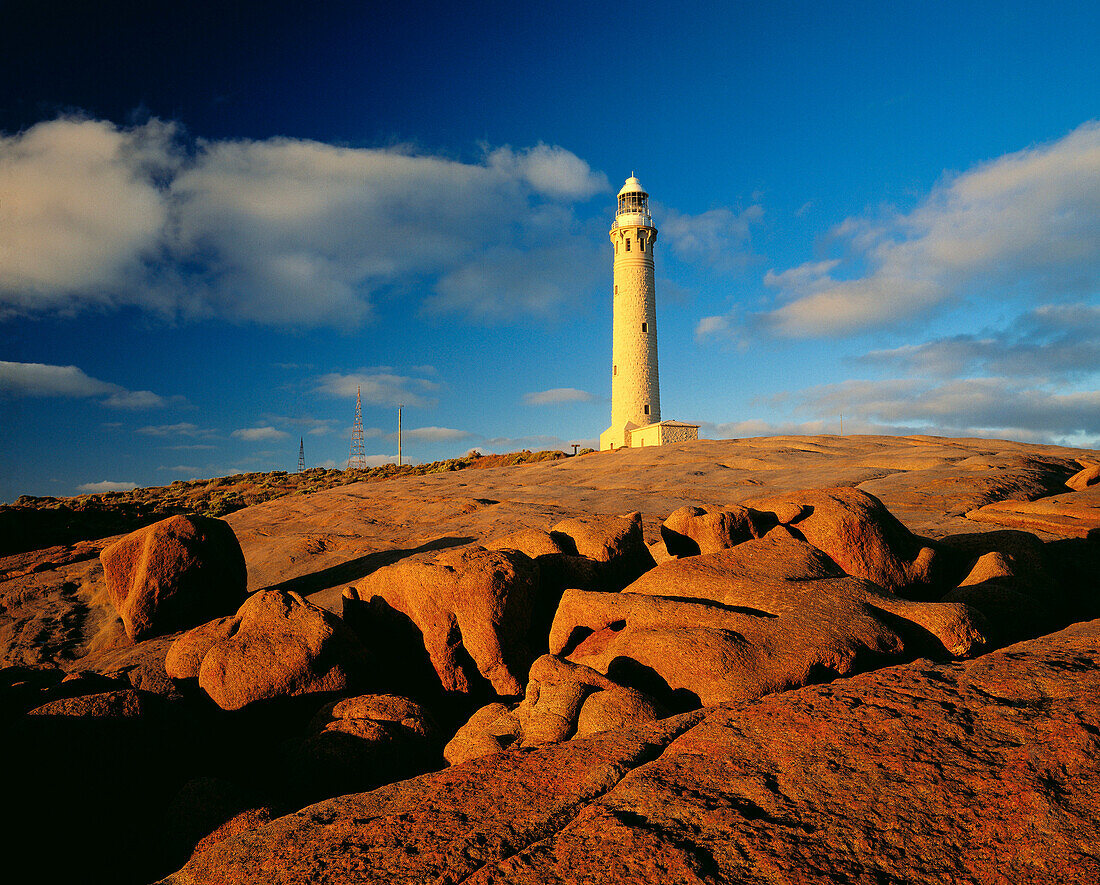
276	645
860	535
563	700
207	810
470	608
174	574
765	616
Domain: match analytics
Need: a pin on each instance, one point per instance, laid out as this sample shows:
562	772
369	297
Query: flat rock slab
1072	515
974	772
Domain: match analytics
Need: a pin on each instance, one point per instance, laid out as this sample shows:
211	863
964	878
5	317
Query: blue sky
217	220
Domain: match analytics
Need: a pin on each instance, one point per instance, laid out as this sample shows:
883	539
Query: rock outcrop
471	607
174	574
764	616
966	772
563	700
859	534
276	645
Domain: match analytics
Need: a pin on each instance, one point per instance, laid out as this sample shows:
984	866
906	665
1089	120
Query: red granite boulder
471	609
277	645
174	574
860	535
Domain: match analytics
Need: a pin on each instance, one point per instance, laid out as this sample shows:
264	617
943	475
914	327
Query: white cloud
256	434
559	395
134	399
107	486
986	407
550	170
437	434
282	231
40	379
180	468
380	389
81	210
717	237
183	428
1023	225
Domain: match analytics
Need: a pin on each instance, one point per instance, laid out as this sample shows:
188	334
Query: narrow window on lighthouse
616	290
647	408
628	244
641	244
645	327
614	370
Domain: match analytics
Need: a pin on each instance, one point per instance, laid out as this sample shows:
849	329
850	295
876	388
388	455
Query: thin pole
399	408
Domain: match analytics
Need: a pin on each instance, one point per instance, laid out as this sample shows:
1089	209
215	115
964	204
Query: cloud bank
259	434
1021	226
281	231
380	388
987	407
40	379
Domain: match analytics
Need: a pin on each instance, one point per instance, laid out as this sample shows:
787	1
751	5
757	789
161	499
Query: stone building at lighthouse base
662	433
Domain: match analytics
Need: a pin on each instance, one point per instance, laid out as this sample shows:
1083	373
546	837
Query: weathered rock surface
859	534
690	531
53	606
277	645
472	608
1009	583
617	542
1072	515
1089	475
764	616
174	574
361	742
563	700
969	772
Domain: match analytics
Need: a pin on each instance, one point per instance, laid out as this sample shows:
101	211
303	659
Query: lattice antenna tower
357	460
302	454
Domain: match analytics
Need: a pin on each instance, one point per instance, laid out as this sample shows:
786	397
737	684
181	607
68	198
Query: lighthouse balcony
632	219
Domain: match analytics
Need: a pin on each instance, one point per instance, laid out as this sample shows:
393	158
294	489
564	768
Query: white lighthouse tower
635	387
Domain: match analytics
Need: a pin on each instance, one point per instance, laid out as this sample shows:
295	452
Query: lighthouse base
663	433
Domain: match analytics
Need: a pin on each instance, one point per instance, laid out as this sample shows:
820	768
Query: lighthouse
635	386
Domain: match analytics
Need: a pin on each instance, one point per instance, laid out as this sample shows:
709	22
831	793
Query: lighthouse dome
632	186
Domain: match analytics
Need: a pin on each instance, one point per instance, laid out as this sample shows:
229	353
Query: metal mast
301	454
357	460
